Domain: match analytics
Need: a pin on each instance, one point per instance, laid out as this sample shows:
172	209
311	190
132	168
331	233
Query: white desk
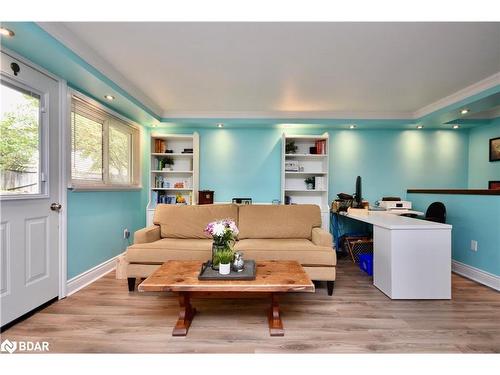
411	257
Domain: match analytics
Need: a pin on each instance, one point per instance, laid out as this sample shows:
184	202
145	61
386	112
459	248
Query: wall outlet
126	233
473	245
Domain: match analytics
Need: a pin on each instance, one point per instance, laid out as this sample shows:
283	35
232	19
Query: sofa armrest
321	237
148	234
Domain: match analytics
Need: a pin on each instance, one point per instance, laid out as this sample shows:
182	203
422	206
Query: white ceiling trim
318	115
465	93
86	52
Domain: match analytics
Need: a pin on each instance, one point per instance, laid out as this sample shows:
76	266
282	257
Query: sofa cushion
278	221
190	221
301	250
170	249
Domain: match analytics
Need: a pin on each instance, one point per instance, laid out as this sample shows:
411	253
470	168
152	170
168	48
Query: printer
395	204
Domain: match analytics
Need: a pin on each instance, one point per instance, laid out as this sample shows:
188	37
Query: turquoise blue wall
95	226
246	162
390	162
96	220
473	217
481	170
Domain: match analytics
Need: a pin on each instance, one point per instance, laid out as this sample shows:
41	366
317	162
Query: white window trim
82	185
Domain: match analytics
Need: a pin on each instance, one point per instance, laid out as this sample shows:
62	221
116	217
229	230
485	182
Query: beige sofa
267	232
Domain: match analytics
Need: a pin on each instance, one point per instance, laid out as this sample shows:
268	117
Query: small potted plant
167	163
290	147
225	258
309	183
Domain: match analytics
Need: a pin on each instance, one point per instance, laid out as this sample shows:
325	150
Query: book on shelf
319	183
160	146
320	146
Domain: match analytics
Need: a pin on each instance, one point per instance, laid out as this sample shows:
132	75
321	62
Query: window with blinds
104	148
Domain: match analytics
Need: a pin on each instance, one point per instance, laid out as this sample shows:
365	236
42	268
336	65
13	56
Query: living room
250	187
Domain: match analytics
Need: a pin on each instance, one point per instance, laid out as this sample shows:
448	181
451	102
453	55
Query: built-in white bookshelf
301	164
168	181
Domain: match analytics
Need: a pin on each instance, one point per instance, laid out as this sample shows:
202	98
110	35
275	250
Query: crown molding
67	37
290	115
475	88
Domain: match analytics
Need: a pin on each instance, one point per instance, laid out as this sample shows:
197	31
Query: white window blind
104	148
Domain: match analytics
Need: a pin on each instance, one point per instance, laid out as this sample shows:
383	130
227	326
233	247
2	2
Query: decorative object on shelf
205	197
291	166
179	185
494	185
187	151
169	151
320	147
309	183
242	200
238	262
495	149
180	199
224	234
290	147
313	150
167	163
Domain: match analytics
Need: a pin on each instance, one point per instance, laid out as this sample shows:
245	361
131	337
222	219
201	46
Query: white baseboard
88	277
476	274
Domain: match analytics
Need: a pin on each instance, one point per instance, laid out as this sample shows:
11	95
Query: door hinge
42	177
42	109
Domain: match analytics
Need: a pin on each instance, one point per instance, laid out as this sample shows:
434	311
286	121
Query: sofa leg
329	287
131	284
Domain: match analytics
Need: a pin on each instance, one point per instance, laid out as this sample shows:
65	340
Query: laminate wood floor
358	318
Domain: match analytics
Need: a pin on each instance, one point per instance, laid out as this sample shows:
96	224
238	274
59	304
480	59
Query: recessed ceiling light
456	126
220	125
352	126
109	97
420	126
6	32
464	111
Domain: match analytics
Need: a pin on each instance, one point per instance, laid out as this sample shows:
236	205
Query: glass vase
215	248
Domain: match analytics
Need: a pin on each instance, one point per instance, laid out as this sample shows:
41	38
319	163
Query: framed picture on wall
494	185
495	149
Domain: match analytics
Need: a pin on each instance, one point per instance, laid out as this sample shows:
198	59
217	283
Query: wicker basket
357	246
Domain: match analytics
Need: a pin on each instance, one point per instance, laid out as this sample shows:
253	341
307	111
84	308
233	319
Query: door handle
55	206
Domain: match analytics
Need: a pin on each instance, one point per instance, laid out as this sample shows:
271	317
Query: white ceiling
204	69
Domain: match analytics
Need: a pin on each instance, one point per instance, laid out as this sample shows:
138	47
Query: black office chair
436	212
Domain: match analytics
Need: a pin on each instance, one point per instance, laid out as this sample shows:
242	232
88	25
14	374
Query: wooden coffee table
272	278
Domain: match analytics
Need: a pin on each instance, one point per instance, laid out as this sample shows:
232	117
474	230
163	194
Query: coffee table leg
186	315
275	323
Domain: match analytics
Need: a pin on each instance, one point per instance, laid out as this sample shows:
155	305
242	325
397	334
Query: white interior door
29	185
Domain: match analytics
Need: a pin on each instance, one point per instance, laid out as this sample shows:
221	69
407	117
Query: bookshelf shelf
172	189
172	172
306	190
176	154
307	164
185	170
305	156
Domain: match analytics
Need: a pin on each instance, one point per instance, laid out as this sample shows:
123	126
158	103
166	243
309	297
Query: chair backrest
436	212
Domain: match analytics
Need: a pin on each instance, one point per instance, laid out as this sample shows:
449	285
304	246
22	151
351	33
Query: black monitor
357	196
